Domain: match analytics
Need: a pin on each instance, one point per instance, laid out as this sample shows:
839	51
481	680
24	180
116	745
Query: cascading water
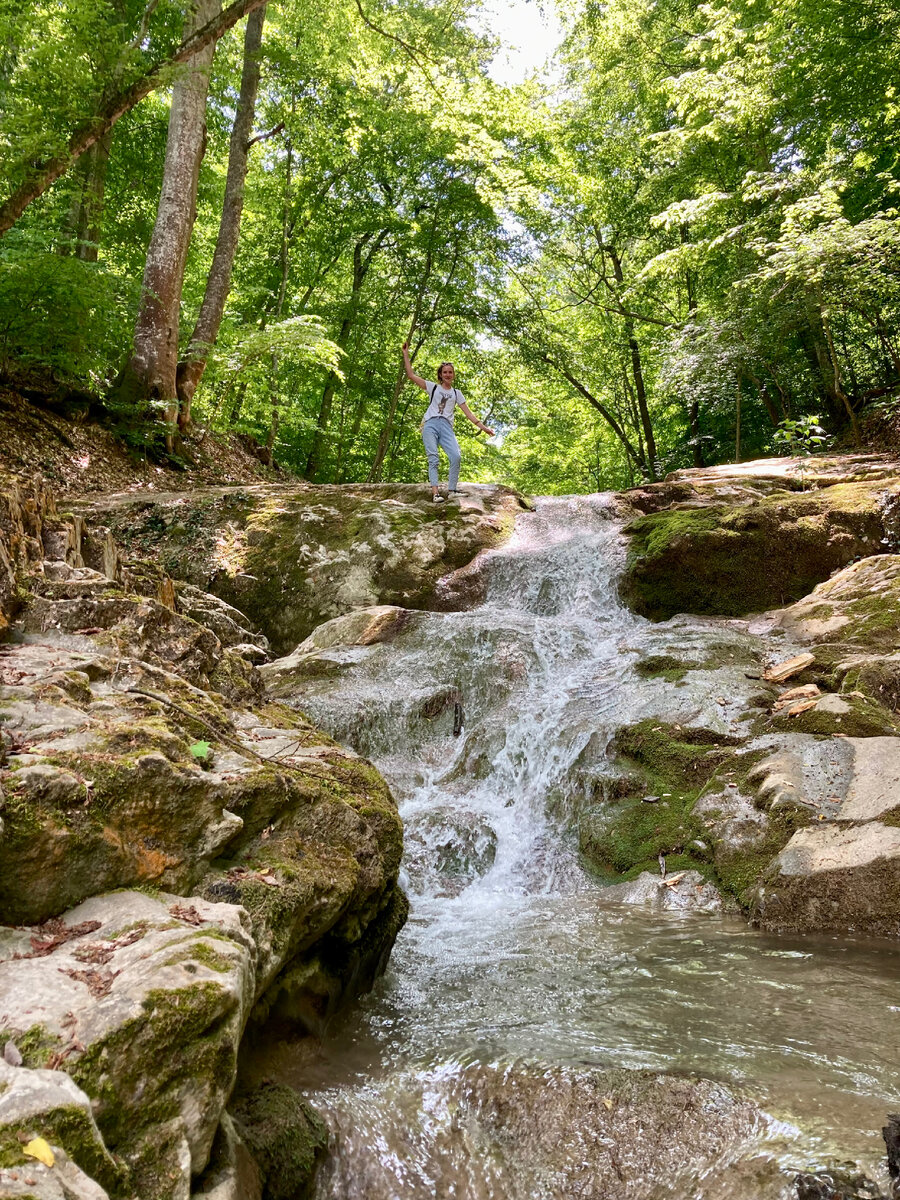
468	1072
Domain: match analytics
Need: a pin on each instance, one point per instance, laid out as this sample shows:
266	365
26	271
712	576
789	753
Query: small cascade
491	727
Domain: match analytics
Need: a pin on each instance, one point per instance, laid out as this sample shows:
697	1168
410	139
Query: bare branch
263	137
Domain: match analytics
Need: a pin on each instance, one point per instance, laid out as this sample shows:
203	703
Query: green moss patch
286	1136
734	560
663	666
626	836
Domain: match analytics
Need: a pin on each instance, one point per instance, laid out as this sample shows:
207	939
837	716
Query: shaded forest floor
80	457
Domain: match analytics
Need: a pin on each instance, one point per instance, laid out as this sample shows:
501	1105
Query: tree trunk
696	435
361	264
637	371
218	284
737	421
694	406
82	232
385	435
149	375
41	175
837	385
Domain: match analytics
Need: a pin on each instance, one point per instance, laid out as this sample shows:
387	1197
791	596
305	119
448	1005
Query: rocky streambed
195	878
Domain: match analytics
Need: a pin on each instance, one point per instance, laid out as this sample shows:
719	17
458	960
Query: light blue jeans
439	432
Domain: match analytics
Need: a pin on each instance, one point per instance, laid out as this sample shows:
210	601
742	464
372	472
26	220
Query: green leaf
200	750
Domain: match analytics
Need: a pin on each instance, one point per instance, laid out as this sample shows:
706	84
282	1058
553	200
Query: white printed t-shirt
444	401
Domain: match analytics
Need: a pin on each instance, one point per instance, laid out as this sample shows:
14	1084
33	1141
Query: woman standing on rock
437	424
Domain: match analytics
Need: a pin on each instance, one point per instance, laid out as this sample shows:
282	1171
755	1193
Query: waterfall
515	990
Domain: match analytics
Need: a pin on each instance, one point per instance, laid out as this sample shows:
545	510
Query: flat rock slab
293	557
833	877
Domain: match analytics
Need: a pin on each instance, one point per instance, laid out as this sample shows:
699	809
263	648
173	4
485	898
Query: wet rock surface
524	1130
293	557
141	749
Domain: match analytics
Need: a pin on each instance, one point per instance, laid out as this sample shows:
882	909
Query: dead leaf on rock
55	933
802	707
186	912
39	1149
94	952
673	879
791	666
98	982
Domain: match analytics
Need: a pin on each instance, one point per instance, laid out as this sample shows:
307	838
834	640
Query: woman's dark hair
440	368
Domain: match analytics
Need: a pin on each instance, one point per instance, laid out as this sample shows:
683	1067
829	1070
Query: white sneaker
438	498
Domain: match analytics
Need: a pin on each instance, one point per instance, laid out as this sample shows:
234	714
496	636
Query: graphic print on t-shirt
442	401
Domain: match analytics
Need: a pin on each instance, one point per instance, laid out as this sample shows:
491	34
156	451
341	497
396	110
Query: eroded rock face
293	557
731	555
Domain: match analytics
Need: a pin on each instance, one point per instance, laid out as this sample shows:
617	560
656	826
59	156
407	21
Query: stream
480	1062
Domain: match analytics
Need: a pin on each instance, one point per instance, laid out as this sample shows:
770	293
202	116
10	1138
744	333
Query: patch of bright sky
529	33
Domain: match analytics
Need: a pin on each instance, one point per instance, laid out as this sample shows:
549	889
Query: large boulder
834	877
142	1002
736	555
292	557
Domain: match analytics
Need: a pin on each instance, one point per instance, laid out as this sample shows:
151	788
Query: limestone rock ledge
759	537
294	556
180	859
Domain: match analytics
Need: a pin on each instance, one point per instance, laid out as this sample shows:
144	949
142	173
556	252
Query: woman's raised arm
407	365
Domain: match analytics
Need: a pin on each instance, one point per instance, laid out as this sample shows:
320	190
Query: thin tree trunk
838	386
218	284
737	421
694	405
41	175
638	456
374	475
149	374
361	264
87	232
636	370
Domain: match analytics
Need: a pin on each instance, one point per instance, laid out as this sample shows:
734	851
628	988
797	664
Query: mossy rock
286	1136
625	836
726	560
293	558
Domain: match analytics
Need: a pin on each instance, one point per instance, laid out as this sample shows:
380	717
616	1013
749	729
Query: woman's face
447	375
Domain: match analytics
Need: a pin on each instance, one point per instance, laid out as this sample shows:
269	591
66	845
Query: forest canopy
679	247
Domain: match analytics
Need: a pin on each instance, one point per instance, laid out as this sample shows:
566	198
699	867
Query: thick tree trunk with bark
41	175
149	374
218	284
